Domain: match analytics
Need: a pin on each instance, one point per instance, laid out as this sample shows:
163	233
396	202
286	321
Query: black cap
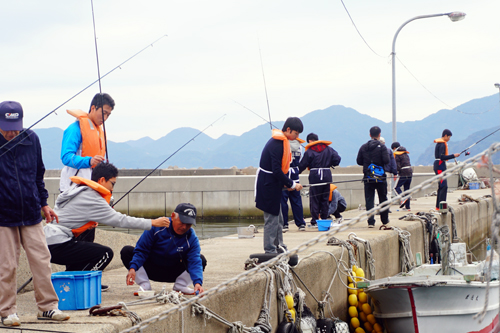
187	213
395	145
11	116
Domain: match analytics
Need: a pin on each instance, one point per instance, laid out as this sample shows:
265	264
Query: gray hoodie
80	205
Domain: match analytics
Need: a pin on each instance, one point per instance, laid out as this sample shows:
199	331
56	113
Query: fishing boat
426	300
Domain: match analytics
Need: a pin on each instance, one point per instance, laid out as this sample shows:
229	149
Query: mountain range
347	128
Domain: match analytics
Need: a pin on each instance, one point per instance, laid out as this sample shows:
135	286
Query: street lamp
497	85
454	17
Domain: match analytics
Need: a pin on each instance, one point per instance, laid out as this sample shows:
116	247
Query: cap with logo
187	213
11	116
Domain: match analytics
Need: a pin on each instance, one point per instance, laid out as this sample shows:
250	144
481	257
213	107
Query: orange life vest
287	152
92	136
104	192
440	140
332	188
399	152
309	145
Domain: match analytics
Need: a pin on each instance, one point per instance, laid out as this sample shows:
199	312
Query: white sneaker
11	320
55	314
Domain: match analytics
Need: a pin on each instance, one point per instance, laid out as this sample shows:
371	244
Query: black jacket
22	189
403	162
372	152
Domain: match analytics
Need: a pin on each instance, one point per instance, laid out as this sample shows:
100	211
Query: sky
217	53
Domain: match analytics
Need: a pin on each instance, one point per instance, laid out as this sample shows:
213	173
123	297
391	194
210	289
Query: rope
368	254
405	254
320	238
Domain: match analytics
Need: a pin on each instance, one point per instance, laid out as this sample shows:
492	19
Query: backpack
376	172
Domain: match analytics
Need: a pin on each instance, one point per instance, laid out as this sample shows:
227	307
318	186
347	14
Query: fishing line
265	87
258	115
72	97
175	152
465	150
99	79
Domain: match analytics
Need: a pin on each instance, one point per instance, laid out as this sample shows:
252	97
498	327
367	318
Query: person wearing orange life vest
337	204
79	208
271	179
83	143
319	157
441	155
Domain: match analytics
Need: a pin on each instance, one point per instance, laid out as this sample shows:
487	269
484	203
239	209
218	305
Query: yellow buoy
360	306
362	297
360	274
352	291
359	330
366	308
292	311
353	299
289	301
362	316
354	268
371	319
349	276
353	312
377	327
368	327
355	322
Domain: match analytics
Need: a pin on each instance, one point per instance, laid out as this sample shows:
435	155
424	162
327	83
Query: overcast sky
312	57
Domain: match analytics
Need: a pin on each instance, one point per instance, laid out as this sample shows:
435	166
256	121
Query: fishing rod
78	93
99	79
175	152
265	87
258	115
466	149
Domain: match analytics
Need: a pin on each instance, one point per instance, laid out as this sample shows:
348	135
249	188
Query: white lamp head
456	16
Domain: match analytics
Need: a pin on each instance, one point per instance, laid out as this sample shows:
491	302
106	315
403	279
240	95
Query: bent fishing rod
466	149
265	86
78	93
171	155
99	79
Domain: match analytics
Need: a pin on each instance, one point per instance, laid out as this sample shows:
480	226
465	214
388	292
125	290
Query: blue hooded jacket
22	189
163	247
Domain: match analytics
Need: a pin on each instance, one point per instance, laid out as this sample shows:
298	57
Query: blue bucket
324	225
474	186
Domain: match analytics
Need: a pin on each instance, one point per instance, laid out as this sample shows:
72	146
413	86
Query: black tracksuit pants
381	188
318	202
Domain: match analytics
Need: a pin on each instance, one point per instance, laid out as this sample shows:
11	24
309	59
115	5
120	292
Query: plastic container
246	232
77	290
324	225
474	185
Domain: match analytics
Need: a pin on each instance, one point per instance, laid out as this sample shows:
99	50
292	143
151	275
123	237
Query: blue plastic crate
474	185
77	290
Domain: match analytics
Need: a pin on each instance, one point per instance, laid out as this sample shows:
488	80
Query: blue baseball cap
11	116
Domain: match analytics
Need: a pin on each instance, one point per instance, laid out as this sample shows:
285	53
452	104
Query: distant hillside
347	128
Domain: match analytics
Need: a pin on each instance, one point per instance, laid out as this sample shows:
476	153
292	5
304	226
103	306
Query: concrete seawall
242	301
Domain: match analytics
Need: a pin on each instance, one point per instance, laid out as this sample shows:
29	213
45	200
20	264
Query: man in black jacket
374	152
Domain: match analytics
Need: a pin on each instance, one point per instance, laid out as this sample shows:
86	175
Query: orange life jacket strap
332	188
86	226
398	152
440	140
309	145
287	152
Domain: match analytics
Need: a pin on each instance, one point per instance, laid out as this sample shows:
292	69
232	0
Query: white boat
425	301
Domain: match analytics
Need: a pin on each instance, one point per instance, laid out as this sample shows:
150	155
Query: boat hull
434	304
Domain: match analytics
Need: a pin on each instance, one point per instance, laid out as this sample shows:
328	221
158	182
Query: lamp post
454	17
497	85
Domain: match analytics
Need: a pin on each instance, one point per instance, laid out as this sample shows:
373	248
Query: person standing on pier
271	179
83	143
22	197
168	254
319	157
293	196
373	155
441	155
404	170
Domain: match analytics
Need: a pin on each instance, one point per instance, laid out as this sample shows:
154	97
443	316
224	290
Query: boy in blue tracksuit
319	157
293	196
168	254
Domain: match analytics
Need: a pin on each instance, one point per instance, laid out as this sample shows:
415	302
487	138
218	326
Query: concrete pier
243	301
